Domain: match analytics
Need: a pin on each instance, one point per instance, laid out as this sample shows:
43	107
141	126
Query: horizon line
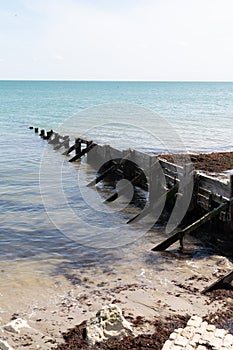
122	80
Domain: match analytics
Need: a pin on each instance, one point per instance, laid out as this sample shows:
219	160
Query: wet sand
53	304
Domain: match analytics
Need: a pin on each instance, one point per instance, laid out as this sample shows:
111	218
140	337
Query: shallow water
66	234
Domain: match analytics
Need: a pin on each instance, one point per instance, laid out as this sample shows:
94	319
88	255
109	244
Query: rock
4	345
15	325
109	323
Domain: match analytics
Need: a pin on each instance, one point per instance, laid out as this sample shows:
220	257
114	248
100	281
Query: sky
155	40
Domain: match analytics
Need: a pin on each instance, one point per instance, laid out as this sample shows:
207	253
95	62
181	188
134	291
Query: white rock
4	345
15	325
108	323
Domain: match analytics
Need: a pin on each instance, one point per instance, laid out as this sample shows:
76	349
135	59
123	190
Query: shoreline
51	308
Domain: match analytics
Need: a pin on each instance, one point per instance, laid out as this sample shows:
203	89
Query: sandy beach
51	307
166	296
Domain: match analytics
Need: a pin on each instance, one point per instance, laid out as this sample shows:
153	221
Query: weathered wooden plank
123	190
115	165
220	283
64	143
82	153
204	191
76	147
203	201
142	160
170	172
113	153
170	180
178	236
231	207
86	142
171	166
97	157
111	169
169	194
214	185
55	139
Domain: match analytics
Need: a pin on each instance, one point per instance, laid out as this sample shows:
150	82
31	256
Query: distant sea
200	113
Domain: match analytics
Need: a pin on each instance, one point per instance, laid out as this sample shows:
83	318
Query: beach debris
4	345
109	323
15	325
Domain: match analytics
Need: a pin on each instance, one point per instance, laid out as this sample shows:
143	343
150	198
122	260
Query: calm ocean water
200	113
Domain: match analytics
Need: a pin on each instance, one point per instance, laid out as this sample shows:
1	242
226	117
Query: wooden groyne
209	195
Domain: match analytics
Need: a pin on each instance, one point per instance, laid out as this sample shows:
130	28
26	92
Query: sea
44	233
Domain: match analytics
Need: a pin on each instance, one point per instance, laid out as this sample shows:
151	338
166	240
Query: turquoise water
200	113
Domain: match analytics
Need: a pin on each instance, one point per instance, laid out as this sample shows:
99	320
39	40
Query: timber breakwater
177	193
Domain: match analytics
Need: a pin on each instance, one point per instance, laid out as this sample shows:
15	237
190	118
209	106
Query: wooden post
194	200
231	196
36	130
77	146
66	142
109	170
153	181
83	152
49	134
42	133
55	140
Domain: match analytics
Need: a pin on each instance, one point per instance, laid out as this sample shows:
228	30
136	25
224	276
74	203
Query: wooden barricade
139	168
